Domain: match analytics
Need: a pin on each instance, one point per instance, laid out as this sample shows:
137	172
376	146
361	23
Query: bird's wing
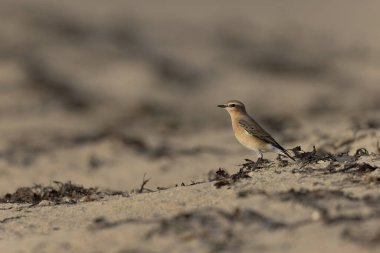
252	128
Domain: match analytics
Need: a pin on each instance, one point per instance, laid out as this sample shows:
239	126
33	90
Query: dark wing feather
255	130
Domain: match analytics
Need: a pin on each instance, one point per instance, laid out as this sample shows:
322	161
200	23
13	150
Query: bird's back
250	134
252	128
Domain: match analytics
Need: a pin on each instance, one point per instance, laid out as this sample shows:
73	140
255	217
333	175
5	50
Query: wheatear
249	133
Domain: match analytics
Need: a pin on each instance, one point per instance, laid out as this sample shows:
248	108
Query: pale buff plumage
249	133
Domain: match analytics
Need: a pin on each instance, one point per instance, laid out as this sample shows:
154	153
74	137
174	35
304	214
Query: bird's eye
232	105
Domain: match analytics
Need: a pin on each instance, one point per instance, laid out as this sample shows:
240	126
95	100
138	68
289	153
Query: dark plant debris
337	161
212	226
57	193
218	175
358	168
325	203
5	220
223	178
306	158
282	162
142	187
361	152
102	222
250	165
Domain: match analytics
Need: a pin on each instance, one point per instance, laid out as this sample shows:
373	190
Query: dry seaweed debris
5	220
357	168
342	162
57	193
337	163
223	178
309	157
101	223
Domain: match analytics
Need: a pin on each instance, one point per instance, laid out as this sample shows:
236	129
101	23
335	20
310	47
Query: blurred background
102	92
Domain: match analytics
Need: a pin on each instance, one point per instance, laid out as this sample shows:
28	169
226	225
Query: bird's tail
285	152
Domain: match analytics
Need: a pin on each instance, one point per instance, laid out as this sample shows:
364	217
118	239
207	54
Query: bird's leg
259	157
249	164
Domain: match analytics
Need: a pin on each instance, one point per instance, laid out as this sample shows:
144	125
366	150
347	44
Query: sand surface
97	97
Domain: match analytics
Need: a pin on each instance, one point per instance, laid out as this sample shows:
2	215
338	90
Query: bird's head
233	106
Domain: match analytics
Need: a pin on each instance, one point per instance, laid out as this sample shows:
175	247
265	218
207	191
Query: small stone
316	215
67	200
45	203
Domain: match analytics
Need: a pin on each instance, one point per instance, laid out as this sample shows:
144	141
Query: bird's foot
249	165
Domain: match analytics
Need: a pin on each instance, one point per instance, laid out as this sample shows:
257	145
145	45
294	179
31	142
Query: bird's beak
222	106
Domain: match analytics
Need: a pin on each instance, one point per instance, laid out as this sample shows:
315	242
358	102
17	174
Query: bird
249	133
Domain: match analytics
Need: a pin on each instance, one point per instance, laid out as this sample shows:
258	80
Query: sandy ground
107	94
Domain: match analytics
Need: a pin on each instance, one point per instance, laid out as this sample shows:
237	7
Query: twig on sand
144	182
